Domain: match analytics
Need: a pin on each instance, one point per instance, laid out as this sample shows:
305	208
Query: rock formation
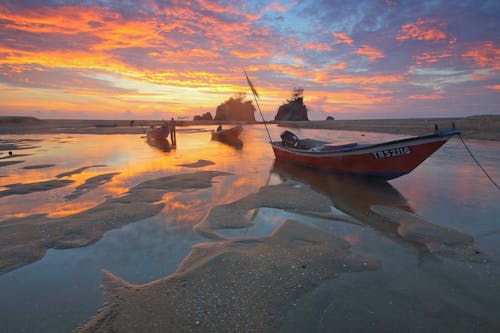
235	108
293	110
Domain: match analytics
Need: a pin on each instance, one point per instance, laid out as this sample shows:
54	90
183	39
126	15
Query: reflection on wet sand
79	170
25	240
90	184
378	204
25	188
351	194
6	144
242	285
235	143
160	144
3	164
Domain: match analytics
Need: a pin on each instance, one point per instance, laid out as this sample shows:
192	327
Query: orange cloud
342	38
368	80
431	57
425	29
325	76
319	46
249	55
494	87
216	7
430	97
278	7
371	53
483	55
155	48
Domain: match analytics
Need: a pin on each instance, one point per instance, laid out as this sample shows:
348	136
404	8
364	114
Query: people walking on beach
172	132
219	128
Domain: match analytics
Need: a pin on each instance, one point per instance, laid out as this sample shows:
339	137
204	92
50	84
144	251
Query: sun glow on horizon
144	59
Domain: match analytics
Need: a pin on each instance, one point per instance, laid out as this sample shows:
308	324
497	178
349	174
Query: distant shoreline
481	127
485	127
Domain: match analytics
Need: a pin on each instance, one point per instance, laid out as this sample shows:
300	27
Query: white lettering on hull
392	152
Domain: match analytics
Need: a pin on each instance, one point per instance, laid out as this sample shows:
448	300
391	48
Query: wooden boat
229	136
158	133
386	160
161	144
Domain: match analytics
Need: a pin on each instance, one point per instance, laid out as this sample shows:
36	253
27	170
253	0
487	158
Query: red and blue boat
387	160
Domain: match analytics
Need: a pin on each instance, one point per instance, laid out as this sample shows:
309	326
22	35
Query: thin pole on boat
254	92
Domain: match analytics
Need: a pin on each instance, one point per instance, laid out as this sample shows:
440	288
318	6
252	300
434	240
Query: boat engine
289	139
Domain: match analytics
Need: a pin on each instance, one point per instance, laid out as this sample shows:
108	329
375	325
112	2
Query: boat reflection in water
353	195
229	136
160	144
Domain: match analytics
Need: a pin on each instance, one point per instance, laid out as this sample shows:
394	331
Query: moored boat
387	160
158	133
230	135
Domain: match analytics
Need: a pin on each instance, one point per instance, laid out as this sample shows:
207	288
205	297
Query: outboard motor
289	139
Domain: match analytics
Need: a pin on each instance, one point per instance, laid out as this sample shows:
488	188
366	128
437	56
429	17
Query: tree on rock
236	109
294	109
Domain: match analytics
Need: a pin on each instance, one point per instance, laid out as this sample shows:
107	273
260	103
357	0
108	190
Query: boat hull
230	136
158	133
386	160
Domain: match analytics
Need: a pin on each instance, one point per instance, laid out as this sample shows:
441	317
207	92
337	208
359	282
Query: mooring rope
477	162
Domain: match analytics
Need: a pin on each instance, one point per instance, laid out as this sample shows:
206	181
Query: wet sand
24	240
231	284
250	284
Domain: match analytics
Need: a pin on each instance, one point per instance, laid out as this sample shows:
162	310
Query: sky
157	59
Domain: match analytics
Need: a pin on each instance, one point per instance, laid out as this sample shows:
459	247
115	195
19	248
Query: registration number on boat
392	152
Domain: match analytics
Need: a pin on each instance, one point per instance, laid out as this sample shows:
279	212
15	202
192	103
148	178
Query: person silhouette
173	136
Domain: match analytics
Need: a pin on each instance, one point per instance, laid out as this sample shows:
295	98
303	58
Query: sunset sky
156	59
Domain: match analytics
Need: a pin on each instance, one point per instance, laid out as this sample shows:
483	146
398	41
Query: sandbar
251	284
230	286
24	240
38	166
26	188
90	184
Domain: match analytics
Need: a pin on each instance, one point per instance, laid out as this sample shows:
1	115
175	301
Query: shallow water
62	289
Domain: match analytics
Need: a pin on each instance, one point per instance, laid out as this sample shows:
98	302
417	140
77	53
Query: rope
477	162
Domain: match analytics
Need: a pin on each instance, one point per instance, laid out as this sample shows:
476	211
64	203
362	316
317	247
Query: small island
236	109
294	109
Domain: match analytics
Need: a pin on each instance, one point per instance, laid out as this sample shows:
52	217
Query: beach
315	234
483	127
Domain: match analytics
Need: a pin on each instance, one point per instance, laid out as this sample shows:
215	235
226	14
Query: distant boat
229	136
158	133
387	160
